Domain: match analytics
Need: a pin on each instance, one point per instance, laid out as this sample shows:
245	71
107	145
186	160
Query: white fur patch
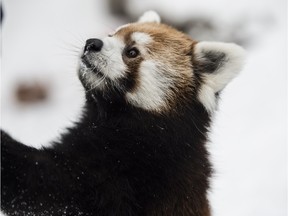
150	16
216	81
111	53
120	27
93	80
109	61
141	38
151	94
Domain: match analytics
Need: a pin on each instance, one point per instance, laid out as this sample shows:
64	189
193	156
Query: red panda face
155	67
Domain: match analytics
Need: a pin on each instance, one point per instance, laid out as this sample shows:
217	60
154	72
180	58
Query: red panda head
156	67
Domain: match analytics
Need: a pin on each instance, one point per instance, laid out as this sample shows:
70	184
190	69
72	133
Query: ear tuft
218	63
150	16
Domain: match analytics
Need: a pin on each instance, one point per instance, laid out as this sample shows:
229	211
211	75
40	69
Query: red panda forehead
155	31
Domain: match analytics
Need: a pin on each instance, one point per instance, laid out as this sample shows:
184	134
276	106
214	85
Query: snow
248	139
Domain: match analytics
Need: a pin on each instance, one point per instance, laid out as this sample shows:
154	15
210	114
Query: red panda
140	147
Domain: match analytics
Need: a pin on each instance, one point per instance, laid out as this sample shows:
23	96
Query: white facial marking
151	94
93	80
141	38
150	16
111	54
108	61
121	27
216	81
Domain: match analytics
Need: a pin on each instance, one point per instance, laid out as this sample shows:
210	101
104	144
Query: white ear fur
150	16
226	61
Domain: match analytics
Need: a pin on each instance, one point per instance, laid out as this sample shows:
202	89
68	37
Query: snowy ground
248	138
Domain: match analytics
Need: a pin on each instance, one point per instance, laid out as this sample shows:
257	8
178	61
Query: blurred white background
41	41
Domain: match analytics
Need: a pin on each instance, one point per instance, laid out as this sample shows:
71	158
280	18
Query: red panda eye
132	53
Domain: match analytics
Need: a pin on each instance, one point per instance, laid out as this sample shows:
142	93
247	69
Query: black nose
93	45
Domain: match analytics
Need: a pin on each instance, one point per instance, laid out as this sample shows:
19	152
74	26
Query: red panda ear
218	64
150	16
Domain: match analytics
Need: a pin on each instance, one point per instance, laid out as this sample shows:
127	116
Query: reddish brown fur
170	47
